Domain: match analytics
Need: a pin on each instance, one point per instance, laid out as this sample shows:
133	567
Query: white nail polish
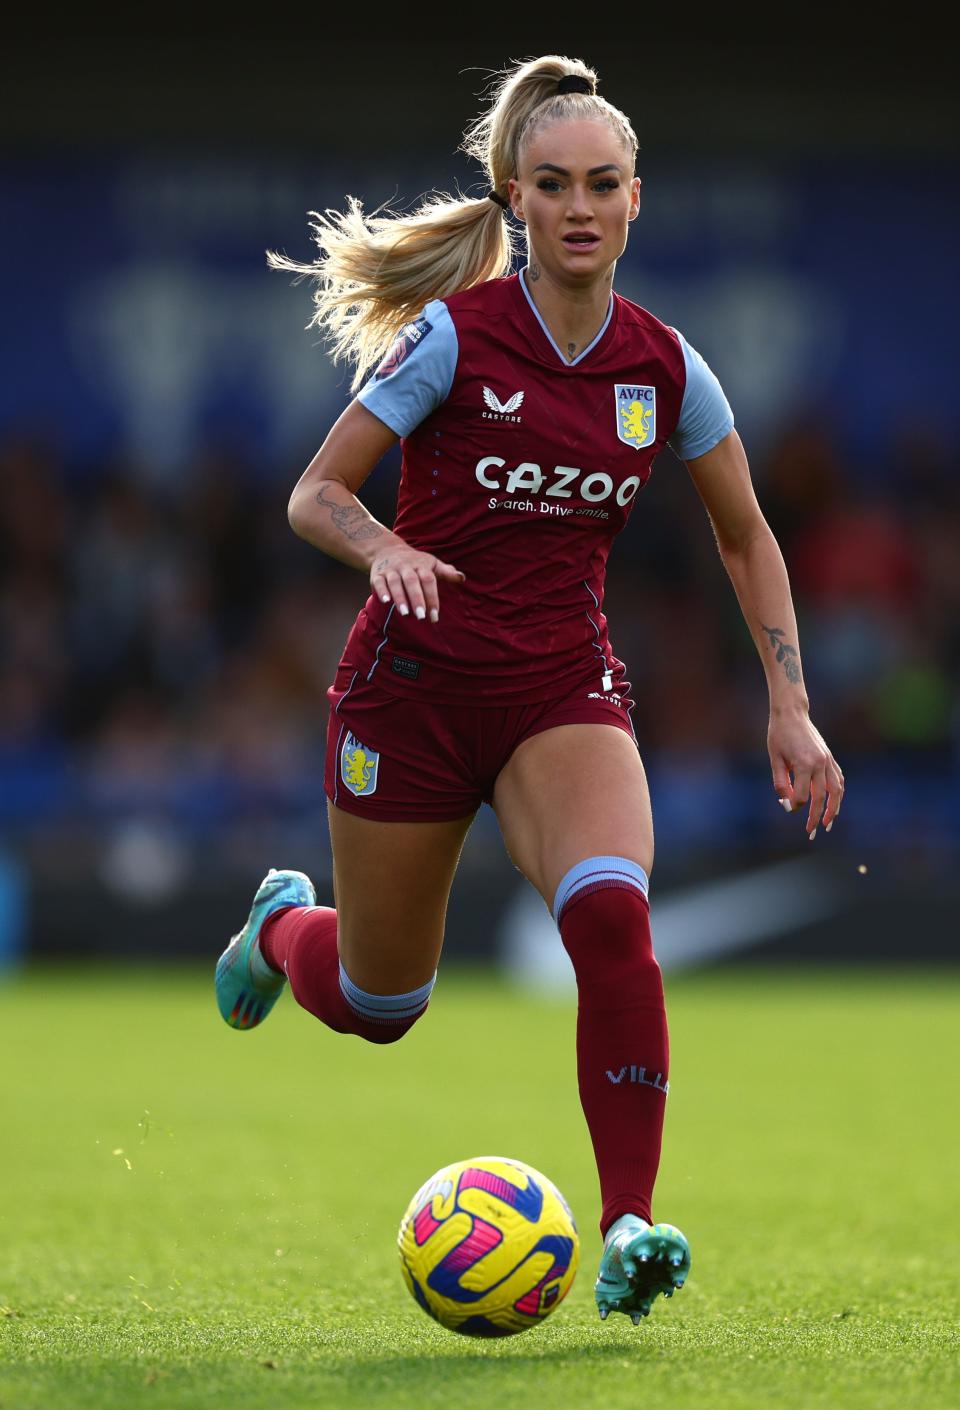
786	805
404	610
434	615
829	825
421	613
385	597
813	834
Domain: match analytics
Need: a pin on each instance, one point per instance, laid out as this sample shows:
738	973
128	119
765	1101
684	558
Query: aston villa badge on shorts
636	415
358	767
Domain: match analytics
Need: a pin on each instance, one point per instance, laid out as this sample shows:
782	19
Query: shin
622	1048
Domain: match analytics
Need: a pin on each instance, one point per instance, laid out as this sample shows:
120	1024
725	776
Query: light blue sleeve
417	373
705	415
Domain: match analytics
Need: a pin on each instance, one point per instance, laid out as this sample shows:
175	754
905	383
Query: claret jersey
519	468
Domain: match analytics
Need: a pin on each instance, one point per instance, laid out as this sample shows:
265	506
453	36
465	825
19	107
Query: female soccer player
530	409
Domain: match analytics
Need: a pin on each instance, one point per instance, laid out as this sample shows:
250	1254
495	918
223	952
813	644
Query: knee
604	918
384	1018
607	936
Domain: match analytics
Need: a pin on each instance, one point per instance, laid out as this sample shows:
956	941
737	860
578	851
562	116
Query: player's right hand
410	579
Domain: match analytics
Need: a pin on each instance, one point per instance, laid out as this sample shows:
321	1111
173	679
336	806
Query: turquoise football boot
639	1262
247	987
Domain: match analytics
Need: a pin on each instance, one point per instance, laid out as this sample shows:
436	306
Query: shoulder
634	316
647	350
705	416
490	298
417	373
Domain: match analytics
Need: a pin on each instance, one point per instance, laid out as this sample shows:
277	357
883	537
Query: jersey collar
549	336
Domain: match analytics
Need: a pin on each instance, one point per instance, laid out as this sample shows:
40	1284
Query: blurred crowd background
166	642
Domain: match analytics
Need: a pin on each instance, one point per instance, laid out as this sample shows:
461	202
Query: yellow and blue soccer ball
488	1247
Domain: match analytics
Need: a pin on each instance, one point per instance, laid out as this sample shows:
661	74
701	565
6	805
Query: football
488	1247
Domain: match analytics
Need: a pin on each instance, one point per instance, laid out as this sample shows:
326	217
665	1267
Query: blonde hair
376	272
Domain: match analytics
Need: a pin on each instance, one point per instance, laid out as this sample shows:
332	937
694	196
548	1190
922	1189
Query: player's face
576	193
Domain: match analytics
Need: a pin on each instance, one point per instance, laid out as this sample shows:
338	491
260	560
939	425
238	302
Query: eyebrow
562	170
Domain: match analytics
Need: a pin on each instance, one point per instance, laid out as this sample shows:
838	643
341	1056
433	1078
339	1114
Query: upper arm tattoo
351	519
785	653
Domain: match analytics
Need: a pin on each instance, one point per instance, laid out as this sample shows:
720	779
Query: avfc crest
358	767
636	415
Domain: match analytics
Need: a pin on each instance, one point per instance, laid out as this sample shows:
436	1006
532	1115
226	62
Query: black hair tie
495	196
575	83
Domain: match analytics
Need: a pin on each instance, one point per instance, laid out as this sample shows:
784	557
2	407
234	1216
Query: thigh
391	884
399	760
573	792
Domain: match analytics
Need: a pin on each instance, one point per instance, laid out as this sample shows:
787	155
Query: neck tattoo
533	273
571	349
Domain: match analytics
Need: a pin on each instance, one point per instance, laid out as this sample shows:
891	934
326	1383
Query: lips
581	240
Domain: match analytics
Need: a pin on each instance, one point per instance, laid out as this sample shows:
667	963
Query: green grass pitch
198	1218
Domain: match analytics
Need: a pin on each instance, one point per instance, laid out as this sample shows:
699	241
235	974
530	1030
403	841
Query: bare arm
756	568
324	510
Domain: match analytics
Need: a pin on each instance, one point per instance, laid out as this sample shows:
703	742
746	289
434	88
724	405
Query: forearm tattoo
352	521
785	653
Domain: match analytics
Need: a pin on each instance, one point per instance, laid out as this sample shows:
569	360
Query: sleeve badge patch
409	337
636	415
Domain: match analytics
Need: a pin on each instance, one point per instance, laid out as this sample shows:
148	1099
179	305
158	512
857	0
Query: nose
580	205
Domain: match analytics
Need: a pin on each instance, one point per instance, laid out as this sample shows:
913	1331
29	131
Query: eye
548	183
609	183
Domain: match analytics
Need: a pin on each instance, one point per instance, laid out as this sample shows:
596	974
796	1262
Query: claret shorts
408	760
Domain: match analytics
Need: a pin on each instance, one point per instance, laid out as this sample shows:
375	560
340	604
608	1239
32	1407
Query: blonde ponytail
376	272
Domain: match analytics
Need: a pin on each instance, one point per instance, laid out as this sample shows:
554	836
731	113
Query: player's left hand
804	768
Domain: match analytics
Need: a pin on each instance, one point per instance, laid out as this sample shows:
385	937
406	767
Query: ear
634	198
516	199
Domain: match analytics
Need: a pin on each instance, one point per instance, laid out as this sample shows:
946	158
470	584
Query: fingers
821	783
448	572
431	595
801	785
809	782
405	591
410	583
818	798
395	591
781	783
804	769
834	778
